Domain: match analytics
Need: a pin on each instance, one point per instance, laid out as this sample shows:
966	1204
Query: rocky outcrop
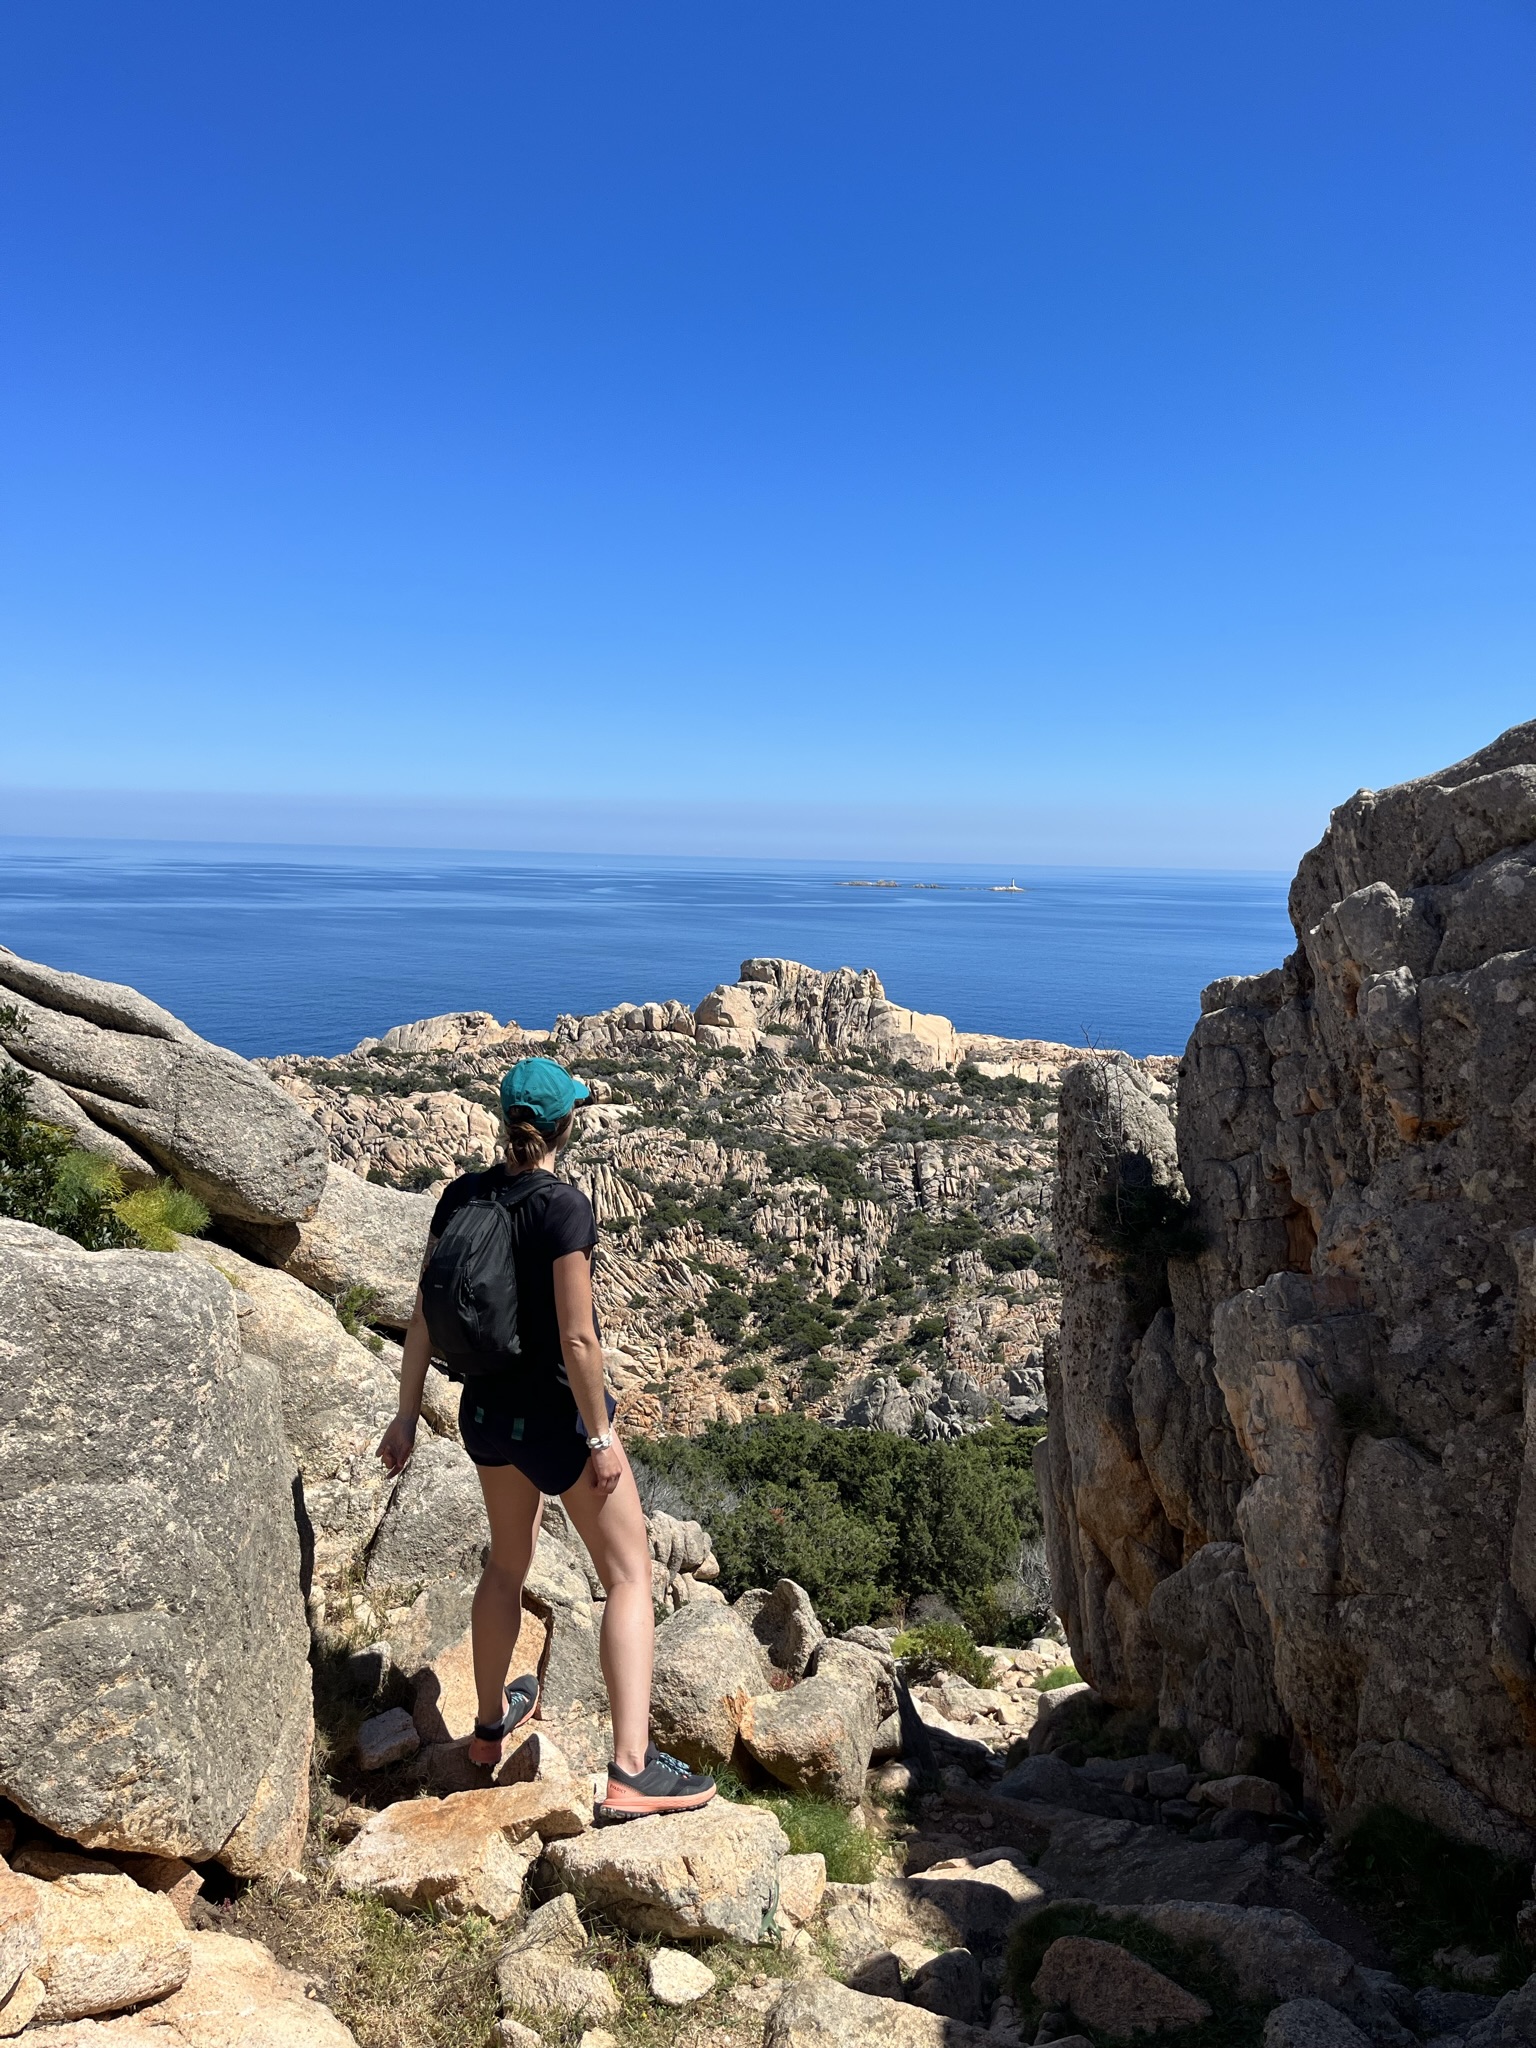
362	1236
185	1107
154	1683
337	1396
682	1875
1289	1493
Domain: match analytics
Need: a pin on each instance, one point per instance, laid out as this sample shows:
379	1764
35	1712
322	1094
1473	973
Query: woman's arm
399	1440
584	1359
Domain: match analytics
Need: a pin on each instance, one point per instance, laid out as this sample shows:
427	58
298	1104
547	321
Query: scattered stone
949	1984
759	1998
817	2013
714	1872
537	1971
1242	1794
1172	1782
598	2037
784	1622
677	1978
815	1738
708	1666
387	1738
105	1944
893	1780
1469	1968
802	1881
467	1853
513	2034
445	1703
1309	2023
1112	1991
1448	2012
878	1976
1048	1730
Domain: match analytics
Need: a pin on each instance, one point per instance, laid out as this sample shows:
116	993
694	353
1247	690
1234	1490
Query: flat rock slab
1309	2023
677	1978
235	1995
468	1852
1113	1991
984	1896
1117	1862
105	1944
821	2014
385	1739
713	1872
865	1920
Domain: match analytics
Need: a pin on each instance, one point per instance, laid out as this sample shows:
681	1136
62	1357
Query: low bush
355	1310
943	1646
1010	1254
741	1379
1053	1681
1423	1890
865	1521
47	1179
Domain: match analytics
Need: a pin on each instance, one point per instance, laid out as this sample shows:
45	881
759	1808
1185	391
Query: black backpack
469	1285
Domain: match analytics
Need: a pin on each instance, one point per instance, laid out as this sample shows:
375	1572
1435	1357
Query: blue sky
996	430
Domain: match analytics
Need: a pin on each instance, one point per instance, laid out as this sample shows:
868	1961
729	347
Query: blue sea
288	949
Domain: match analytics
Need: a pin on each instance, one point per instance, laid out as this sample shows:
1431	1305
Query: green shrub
865	1521
1010	1254
354	1310
741	1379
1053	1681
1146	1226
943	1646
1232	2024
158	1215
1423	1890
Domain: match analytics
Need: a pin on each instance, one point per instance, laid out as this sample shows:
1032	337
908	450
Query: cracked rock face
161	1098
1295	1500
154	1677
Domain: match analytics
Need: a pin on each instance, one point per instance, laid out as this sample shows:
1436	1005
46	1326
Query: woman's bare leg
514	1508
613	1528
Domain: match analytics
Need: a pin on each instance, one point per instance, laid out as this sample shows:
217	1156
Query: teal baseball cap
545	1088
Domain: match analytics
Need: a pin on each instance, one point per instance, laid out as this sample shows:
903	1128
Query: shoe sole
606	1816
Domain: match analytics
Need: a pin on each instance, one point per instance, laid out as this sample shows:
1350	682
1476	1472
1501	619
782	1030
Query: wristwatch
600	1443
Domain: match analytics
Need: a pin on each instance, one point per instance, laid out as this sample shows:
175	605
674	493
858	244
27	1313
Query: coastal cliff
1290	1500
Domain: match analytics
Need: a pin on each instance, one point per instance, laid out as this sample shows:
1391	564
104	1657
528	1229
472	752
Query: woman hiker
536	1419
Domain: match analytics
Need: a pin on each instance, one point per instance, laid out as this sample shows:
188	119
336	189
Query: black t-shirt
545	1227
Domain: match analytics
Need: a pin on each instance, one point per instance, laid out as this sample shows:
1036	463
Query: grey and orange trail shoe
664	1786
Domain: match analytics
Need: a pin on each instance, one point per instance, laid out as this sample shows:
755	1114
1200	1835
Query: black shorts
548	1445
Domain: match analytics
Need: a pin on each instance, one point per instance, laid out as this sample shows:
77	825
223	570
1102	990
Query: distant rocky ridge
808	1193
1290	1479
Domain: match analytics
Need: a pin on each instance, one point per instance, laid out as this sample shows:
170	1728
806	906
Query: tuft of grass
814	1827
944	1646
1233	2022
1053	1681
1423	1890
397	1980
158	1215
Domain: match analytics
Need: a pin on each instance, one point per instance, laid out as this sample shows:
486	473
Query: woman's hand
397	1444
607	1469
